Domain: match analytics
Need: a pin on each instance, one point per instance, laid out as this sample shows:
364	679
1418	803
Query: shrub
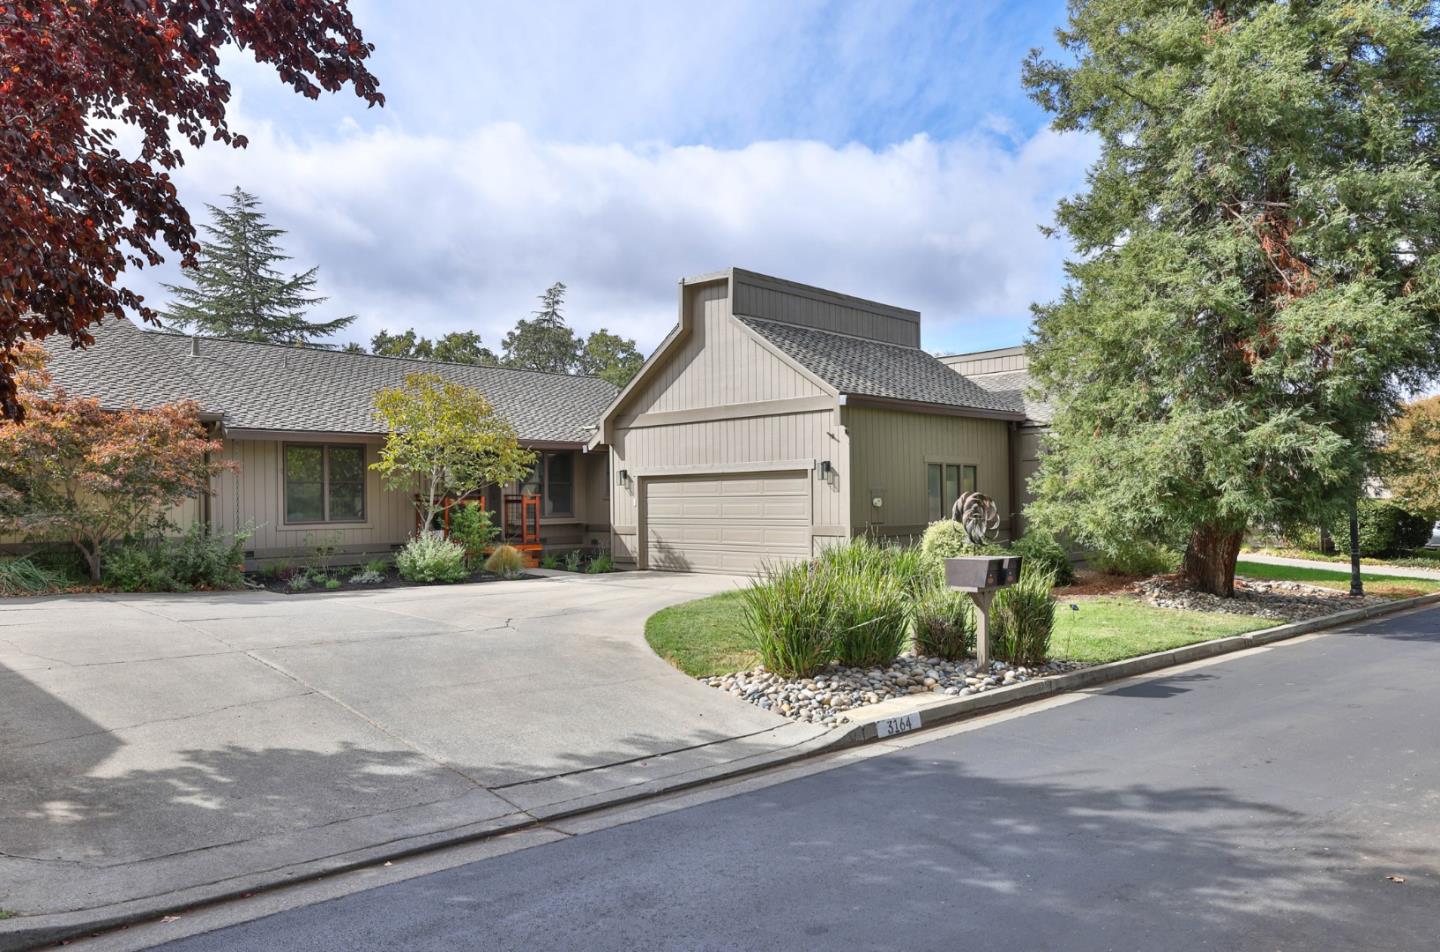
869	615
367	577
786	614
377	566
1385	529
1137	558
323	546
506	561
470	527
332	583
917	571
1044	554
601	564
298	582
946	539
572	560
945	624
22	576
550	561
430	557
192	560
1022	618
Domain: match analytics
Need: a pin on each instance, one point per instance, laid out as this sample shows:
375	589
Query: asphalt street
1287	799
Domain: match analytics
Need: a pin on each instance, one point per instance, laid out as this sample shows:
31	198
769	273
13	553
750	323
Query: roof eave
919	406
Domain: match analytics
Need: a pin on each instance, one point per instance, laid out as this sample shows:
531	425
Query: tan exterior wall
724	403
889	450
989	362
770	299
255	495
719	364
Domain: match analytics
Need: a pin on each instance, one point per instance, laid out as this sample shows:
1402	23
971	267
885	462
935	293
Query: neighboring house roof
288	388
1015	387
870	368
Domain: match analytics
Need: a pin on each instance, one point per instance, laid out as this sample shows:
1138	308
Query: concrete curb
30	932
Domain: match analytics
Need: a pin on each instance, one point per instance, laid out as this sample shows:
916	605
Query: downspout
206	515
1014	480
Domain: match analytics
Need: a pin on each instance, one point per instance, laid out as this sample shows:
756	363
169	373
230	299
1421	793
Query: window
945	483
553	479
324	483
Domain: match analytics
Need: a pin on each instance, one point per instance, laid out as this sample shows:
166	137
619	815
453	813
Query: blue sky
883	149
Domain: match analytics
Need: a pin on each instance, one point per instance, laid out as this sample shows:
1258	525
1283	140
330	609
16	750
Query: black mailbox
982	571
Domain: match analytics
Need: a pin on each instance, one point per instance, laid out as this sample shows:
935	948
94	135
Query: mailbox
979	572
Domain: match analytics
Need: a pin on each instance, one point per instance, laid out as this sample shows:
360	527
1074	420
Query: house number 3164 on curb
891	726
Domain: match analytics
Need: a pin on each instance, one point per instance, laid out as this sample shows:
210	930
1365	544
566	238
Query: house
1005	372
299	422
778	418
774	419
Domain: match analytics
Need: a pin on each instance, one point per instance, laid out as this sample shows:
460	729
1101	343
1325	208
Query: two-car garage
726	522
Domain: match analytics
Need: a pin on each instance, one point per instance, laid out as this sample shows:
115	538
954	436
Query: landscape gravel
826	697
1281	601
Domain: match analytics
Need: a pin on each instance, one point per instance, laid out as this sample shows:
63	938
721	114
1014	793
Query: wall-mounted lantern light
825	469
622	477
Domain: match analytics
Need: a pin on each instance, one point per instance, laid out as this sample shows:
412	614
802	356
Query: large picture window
945	482
324	483
553	480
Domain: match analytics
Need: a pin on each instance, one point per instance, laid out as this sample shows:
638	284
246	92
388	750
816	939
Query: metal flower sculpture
978	514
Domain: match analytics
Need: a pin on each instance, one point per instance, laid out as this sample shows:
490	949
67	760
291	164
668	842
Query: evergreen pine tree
237	292
546	342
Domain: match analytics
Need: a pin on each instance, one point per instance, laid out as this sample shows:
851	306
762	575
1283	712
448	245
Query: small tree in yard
74	472
1256	281
1412	458
445	443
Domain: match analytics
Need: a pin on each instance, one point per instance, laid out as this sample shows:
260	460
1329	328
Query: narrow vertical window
935	492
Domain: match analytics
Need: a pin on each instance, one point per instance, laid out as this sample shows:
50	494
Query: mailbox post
982	576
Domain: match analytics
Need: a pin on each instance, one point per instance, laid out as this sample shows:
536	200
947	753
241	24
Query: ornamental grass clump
870	616
787	615
945	624
506	561
21	576
1022	618
430	557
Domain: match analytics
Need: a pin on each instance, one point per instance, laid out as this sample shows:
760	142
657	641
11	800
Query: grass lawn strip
1391	586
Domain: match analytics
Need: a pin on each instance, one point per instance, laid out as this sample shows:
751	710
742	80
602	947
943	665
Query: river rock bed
826	697
1277	600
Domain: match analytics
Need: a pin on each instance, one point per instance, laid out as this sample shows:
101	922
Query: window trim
944	464
325	519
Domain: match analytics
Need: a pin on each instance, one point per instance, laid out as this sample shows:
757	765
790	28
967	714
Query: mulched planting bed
1279	600
825	698
392	579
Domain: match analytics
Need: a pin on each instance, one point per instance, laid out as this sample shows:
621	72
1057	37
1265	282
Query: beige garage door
732	523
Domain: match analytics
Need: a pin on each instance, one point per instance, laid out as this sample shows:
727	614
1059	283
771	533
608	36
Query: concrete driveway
167	748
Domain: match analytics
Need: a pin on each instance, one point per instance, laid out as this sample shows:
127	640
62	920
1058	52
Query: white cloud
443	233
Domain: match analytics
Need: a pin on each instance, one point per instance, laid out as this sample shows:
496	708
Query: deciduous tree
456	347
78	212
445	443
611	357
1255	280
235	290
74	472
1412	458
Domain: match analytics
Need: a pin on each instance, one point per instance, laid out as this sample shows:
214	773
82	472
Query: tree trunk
1357	586
1210	557
92	559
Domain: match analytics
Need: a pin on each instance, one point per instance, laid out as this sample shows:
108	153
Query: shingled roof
1014	387
870	368
286	388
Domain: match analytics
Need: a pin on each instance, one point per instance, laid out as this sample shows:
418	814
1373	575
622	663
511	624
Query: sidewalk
1370	568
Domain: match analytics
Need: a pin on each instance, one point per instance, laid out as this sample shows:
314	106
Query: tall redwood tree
76	211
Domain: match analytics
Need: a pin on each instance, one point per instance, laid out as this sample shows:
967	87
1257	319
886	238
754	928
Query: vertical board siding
890	449
718	364
797	308
998	363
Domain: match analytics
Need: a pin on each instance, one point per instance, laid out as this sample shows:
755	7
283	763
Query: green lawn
1112	627
704	637
1421	558
1395	586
